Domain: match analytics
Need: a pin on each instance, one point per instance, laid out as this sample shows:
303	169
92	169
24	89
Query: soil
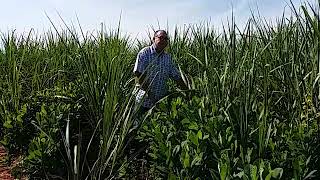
5	170
7	166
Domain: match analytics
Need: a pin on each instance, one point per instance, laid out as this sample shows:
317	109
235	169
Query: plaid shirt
158	68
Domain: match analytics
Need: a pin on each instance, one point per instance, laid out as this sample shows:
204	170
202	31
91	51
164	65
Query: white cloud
137	15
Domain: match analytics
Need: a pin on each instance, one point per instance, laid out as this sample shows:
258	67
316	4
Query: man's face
160	40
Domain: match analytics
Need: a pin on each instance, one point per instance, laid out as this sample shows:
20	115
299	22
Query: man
153	67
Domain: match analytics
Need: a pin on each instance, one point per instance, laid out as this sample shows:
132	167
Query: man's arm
139	70
140	78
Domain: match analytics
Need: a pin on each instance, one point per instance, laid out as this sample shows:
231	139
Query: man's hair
160	30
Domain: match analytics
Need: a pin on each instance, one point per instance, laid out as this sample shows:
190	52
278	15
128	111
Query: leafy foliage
67	99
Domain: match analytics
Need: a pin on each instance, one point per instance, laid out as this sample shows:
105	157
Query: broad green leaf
206	136
253	172
186	160
277	173
193	126
7	124
193	138
185	121
199	134
223	171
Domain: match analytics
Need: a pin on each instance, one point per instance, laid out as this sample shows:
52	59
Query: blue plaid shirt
158	68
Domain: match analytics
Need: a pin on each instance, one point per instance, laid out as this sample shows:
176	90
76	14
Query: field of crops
252	111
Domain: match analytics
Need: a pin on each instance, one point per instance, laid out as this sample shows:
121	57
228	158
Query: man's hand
141	80
181	84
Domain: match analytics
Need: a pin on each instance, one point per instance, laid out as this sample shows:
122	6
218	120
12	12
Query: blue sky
137	15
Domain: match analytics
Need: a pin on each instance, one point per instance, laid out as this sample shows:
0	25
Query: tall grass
257	77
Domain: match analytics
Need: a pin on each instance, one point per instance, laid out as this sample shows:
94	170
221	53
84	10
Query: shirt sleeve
139	65
174	72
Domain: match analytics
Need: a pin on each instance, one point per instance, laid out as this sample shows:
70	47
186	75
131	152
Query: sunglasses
163	37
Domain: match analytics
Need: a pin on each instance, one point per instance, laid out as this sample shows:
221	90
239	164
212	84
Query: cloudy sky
137	16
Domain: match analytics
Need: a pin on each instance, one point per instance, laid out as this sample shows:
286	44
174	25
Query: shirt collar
153	49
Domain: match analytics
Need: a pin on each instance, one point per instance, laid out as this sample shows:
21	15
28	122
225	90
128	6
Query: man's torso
157	69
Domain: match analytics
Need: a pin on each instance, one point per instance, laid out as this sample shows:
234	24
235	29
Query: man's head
160	40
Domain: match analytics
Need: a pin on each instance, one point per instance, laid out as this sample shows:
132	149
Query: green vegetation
252	111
